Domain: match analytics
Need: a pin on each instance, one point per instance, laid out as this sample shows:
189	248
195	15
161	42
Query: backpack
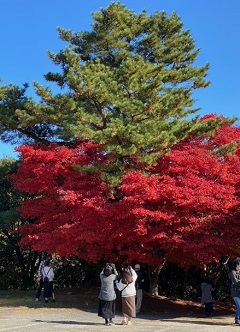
127	277
45	279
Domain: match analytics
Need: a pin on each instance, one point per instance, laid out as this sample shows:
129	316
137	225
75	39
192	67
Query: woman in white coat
126	286
48	275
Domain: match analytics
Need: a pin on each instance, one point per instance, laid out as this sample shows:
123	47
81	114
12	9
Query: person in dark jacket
107	295
139	288
234	276
206	298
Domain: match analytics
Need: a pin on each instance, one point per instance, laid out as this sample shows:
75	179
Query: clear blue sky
28	31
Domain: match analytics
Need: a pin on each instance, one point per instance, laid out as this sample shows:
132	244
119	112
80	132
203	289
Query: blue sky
28	31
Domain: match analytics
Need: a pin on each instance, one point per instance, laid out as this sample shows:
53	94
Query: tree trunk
153	273
25	262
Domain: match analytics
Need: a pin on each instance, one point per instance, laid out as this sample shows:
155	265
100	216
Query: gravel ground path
23	319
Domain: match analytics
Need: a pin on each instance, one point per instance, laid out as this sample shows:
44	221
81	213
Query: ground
153	304
177	307
86	298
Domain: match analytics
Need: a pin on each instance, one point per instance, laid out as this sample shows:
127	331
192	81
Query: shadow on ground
86	299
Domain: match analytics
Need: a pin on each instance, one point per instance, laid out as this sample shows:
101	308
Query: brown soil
87	299
177	307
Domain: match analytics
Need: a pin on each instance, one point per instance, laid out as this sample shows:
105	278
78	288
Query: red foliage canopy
186	210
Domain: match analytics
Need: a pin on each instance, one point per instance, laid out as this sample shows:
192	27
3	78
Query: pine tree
132	79
126	84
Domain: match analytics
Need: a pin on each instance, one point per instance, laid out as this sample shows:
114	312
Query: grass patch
83	299
86	299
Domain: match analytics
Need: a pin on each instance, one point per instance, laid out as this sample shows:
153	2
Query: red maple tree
186	209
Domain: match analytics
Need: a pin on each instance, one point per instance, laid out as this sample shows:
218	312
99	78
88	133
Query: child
207	289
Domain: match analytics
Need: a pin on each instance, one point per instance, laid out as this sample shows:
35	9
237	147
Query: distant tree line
118	165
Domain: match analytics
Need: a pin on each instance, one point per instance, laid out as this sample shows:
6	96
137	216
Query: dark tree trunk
26	261
153	273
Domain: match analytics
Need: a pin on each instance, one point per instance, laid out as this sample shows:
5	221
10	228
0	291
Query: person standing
207	299
139	288
107	295
126	286
234	276
40	276
47	276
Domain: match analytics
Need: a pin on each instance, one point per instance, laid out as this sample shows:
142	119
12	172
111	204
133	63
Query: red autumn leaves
185	210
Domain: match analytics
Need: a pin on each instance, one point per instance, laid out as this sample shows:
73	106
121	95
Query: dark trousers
48	290
39	290
208	308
